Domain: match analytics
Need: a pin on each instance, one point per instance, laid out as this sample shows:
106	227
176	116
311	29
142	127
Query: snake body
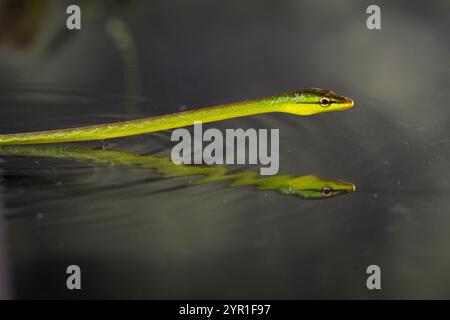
301	102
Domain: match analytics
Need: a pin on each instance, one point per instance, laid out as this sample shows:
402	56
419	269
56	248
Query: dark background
136	237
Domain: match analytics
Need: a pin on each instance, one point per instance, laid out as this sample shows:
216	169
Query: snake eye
324	102
327	191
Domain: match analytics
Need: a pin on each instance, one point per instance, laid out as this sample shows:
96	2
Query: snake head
314	100
313	187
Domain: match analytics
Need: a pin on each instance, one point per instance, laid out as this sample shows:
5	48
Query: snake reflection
305	187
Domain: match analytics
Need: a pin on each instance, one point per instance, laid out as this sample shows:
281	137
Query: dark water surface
136	234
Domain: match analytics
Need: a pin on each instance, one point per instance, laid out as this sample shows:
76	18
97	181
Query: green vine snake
303	102
306	187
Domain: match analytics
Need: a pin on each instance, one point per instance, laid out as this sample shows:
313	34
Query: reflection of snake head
313	187
313	100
